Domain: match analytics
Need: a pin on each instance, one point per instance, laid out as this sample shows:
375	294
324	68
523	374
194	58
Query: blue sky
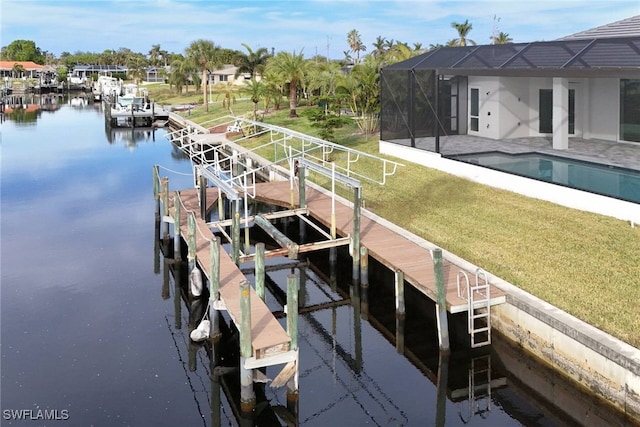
314	26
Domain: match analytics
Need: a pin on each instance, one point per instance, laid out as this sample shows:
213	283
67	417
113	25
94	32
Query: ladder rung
478	330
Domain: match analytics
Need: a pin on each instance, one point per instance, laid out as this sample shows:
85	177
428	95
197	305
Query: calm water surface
93	334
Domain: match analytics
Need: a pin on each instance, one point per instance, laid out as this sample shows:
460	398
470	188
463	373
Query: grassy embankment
583	263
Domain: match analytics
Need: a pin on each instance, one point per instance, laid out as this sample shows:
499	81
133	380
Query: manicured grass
583	263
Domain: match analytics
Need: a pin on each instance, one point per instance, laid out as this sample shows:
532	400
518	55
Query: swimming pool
596	178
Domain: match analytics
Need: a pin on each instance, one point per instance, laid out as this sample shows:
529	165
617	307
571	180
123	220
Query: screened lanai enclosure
588	88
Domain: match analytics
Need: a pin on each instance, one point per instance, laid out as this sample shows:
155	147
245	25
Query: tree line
282	73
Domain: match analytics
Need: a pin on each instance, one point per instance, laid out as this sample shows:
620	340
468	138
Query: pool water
596	178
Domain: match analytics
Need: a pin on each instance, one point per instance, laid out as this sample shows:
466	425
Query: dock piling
247	395
292	331
165	205
177	247
357	193
214	287
203	197
235	236
260	270
441	302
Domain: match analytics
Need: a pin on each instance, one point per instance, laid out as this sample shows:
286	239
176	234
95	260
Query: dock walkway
391	249
268	337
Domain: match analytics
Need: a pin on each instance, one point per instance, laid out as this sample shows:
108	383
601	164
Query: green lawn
583	263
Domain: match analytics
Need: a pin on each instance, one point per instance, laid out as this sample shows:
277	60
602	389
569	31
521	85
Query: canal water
95	331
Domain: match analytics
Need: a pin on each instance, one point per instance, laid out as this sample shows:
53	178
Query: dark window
475	110
630	110
546	111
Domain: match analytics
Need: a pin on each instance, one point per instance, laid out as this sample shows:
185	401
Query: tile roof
629	27
27	65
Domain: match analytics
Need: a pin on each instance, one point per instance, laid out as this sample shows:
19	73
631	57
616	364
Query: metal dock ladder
479	307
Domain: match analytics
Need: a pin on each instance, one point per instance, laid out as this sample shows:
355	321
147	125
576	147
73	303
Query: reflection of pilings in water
215	402
364	282
182	362
400	310
357	328
364	381
280	296
165	280
443	379
333	258
177	294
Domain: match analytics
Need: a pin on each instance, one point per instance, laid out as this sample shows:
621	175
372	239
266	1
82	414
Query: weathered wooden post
441	301
400	311
203	197
260	271
165	206
156	241
301	186
355	254
235	237
220	206
302	226
156	184
177	247
292	331
364	281
195	277
247	396
214	287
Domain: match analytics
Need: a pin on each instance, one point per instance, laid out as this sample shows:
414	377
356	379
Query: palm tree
379	46
204	54
289	68
179	74
463	30
502	38
355	43
251	62
137	66
154	55
228	96
256	90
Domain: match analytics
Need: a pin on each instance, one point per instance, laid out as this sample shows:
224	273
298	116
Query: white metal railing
315	149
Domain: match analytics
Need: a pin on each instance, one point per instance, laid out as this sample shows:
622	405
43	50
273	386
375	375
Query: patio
623	154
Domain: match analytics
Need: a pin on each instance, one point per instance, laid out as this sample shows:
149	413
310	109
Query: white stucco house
585	85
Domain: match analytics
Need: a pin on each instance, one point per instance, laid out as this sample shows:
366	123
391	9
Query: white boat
132	99
107	86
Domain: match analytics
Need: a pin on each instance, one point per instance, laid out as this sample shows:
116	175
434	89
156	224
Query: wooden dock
389	248
268	337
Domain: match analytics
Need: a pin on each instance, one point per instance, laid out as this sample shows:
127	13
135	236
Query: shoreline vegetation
583	263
